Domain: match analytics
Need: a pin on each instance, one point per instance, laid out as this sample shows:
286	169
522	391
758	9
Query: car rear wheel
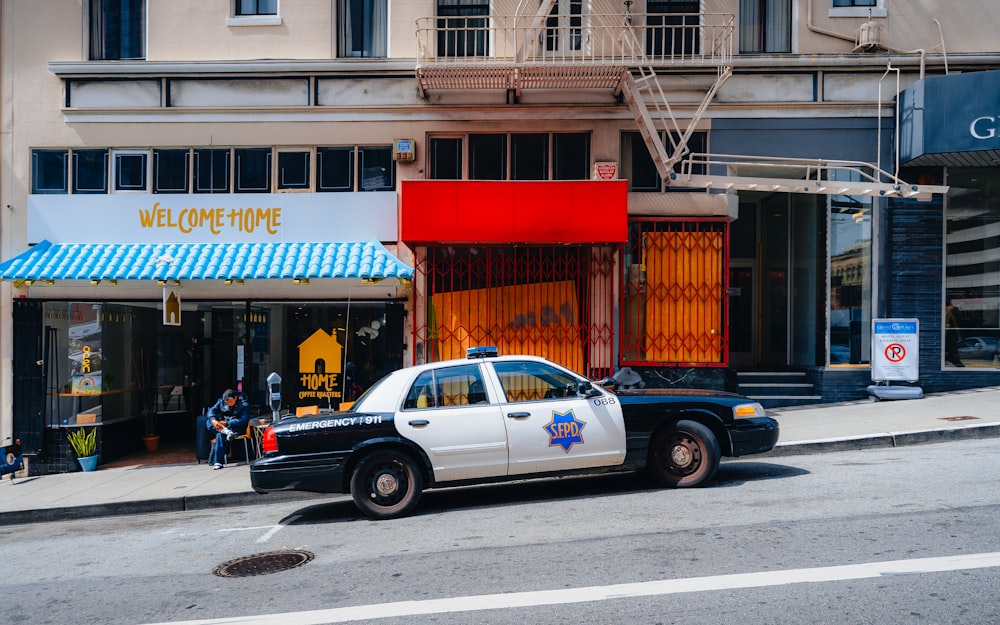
386	484
683	455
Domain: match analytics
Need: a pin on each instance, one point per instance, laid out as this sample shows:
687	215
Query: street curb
149	506
886	440
249	498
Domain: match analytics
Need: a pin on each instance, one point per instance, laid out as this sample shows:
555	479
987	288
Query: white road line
501	601
274	530
246	529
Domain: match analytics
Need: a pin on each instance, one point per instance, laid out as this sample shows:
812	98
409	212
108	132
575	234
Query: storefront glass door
776	275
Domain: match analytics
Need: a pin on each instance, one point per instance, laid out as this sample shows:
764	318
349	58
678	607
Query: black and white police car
491	417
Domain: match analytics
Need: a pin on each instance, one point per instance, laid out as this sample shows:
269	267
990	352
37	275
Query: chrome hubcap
680	455
386	484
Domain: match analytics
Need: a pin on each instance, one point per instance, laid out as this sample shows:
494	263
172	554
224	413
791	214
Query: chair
303	411
246	437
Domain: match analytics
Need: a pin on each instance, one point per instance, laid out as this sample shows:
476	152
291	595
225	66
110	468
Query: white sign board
895	350
209	218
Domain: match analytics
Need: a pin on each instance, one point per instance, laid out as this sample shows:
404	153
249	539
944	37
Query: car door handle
419	422
518	415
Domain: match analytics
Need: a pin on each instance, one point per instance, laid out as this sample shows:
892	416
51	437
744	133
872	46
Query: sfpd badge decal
564	430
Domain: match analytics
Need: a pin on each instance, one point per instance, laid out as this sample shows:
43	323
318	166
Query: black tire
386	484
683	455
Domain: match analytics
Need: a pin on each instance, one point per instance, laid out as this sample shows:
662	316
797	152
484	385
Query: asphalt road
906	535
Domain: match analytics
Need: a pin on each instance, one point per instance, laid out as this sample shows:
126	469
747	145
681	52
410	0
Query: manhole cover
957	418
263	563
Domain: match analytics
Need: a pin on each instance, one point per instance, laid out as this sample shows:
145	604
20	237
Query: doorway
777	278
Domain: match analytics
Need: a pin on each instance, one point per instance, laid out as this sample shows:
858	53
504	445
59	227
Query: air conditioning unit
868	37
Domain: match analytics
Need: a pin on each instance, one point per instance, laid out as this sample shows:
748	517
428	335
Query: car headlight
747	411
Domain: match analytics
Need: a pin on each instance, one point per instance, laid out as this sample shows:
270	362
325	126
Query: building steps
775	389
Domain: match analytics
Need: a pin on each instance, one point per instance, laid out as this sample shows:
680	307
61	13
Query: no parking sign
895	350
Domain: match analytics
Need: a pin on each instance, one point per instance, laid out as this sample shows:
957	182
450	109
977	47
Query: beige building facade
669	187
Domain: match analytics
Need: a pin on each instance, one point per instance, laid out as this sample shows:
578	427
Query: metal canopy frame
795	175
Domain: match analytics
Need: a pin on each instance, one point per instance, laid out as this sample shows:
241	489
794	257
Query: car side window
449	386
534	381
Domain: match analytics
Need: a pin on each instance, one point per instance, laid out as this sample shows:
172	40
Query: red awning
487	211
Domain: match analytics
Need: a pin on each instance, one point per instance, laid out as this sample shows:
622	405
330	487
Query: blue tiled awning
204	261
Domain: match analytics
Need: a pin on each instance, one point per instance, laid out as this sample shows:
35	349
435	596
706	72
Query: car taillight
269	442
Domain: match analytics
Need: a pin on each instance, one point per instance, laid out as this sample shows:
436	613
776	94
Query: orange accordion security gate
551	301
674	309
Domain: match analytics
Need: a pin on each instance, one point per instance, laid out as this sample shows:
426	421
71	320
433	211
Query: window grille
555	302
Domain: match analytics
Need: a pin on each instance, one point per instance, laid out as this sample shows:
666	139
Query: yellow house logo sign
320	358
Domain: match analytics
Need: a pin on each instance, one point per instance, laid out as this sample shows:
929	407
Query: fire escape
630	55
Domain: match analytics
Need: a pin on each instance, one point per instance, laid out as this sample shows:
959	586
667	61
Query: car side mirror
587	389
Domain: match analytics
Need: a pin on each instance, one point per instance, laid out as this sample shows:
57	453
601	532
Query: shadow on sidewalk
176	452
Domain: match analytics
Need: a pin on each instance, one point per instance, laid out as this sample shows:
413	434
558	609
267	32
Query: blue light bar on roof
484	351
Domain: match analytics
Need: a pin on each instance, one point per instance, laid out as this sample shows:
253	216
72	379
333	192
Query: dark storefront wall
107	362
950	134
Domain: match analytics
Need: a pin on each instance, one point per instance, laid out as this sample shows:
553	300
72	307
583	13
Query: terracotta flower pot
152	443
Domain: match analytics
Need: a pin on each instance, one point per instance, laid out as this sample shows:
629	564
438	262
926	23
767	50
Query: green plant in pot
85	446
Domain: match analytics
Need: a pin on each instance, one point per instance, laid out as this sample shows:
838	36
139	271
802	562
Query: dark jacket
236	417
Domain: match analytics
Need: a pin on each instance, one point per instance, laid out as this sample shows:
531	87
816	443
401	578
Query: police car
490	417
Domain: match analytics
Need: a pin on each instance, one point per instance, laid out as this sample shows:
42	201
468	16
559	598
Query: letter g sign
982	130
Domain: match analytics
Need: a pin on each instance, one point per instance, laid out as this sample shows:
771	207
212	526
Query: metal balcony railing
567	44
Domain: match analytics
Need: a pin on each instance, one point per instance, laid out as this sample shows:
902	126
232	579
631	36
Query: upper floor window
170	170
293	170
517	156
256	7
672	27
130	170
462	27
49	171
638	166
445	156
363	27
377	169
117	29
765	26
858	8
213	170
90	171
564	27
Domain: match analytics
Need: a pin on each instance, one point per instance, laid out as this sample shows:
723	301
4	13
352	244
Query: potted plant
152	438
144	375
85	446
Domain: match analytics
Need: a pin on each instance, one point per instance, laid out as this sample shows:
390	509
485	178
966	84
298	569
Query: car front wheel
386	484
683	455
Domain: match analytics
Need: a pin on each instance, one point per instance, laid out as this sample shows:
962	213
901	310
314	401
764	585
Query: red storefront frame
485	241
519	211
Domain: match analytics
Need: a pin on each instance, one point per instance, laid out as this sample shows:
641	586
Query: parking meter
274	391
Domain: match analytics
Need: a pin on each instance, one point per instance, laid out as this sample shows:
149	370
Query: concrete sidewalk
174	488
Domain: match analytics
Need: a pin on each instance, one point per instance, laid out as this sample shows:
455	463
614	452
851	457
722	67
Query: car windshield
359	402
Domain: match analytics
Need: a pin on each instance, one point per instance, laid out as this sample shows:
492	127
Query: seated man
228	418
